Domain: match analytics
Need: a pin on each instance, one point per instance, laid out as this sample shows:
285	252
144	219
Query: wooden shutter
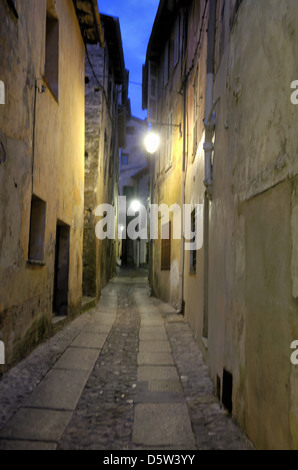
152	92
166	65
177	42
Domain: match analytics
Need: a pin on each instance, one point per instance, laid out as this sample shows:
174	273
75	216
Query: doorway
61	273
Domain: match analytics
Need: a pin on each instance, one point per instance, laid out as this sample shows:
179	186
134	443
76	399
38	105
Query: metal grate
164	386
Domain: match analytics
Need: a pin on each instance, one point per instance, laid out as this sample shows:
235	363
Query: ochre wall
26	290
253	220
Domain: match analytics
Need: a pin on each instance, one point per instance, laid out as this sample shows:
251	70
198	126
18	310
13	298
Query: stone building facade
42	62
164	101
106	109
239	147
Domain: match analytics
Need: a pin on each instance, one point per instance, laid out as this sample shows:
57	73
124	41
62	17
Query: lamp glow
152	142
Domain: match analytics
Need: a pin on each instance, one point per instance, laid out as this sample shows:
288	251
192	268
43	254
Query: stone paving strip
161	418
126	375
49	401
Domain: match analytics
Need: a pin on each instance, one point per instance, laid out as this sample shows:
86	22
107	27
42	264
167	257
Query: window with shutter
177	42
169	141
166	65
152	92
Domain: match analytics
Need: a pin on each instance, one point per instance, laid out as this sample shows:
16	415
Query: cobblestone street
126	375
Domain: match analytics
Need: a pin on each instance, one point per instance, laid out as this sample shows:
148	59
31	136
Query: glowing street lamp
135	206
152	141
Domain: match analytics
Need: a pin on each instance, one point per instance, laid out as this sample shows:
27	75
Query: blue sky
136	20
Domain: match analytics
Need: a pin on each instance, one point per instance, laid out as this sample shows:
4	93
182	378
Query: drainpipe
209	121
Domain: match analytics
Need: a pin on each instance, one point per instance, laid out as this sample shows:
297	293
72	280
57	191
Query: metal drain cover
164	386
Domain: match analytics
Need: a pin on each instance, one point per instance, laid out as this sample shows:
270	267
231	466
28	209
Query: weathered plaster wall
95	130
168	189
194	187
253	260
27	291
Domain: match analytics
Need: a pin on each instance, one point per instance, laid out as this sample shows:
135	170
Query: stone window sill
35	262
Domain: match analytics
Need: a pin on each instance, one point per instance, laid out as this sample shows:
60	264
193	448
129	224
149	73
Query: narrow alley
125	375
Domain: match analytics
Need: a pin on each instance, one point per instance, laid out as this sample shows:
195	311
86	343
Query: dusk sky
136	20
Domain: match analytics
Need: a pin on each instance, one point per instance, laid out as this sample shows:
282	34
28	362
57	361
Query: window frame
37	228
123	156
51	64
176	42
169	141
12	5
166	64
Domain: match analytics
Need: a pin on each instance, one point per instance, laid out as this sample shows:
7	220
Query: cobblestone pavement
118	401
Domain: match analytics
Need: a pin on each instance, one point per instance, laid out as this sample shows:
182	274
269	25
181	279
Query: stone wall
101	173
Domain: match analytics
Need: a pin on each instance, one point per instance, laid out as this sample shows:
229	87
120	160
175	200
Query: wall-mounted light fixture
152	139
152	142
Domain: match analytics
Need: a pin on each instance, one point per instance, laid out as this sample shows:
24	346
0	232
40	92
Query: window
37	230
52	49
166	247
124	158
152	92
169	141
177	42
128	192
130	130
166	64
12	6
193	253
110	91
